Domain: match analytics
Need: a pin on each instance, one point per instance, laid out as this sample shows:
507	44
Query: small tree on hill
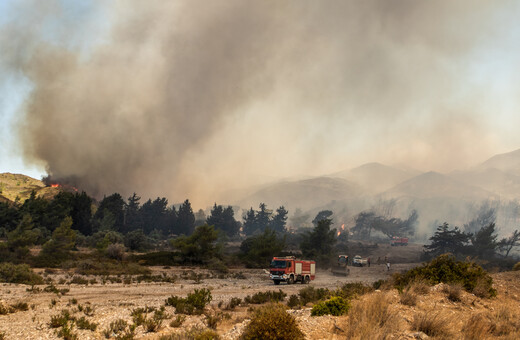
200	247
507	243
445	241
279	220
185	222
258	250
58	248
484	242
319	243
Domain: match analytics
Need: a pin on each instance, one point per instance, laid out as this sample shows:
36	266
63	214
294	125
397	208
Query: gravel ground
113	301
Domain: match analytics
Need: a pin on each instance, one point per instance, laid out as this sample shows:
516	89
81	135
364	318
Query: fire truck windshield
277	264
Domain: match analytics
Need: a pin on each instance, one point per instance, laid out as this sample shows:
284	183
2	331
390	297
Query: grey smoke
191	98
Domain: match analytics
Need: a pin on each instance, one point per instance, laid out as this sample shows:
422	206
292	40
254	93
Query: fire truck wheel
291	280
304	279
276	282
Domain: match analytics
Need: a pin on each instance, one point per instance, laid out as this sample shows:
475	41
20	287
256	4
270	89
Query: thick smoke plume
191	98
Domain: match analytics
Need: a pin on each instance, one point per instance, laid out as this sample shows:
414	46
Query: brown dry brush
453	292
371	318
434	324
502	323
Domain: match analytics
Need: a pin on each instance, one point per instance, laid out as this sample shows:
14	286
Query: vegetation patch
110	267
447	269
431	324
311	294
371	318
194	303
334	306
272	322
267	296
19	273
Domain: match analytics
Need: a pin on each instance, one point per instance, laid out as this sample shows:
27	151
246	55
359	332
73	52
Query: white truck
358	261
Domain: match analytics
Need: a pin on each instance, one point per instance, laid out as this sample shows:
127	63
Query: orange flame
339	233
55	185
343	226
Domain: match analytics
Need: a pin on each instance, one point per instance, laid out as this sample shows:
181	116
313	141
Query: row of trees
368	222
482	244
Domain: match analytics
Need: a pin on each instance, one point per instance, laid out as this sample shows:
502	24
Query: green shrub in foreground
267	296
311	294
334	306
19	273
272	322
194	303
446	269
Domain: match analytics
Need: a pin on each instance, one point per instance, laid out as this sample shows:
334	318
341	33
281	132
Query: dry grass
371	318
408	298
420	287
453	292
432	324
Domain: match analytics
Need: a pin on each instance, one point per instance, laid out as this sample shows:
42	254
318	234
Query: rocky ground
109	302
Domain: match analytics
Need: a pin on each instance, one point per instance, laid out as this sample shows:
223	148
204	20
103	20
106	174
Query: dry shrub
453	292
477	327
482	290
432	324
420	287
408	298
272	322
506	322
371	318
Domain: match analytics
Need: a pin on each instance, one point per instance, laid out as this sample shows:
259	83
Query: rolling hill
304	194
436	185
19	187
375	177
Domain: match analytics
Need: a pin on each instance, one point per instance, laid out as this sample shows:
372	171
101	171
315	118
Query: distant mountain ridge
497	177
433	184
508	162
296	193
375	177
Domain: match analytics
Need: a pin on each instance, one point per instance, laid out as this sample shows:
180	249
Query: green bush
161	258
83	323
446	269
294	301
194	303
353	289
233	303
333	306
272	322
110	267
263	297
311	294
19	273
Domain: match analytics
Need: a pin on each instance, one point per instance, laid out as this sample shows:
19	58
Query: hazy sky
187	99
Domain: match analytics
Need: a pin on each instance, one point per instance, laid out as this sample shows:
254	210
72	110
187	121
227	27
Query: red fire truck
291	270
399	241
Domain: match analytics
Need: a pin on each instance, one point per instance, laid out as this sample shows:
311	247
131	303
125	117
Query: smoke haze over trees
111	89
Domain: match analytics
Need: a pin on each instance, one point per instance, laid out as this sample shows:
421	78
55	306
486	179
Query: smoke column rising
190	98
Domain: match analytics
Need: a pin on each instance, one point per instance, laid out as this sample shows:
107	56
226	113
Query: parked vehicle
341	267
291	270
399	241
358	261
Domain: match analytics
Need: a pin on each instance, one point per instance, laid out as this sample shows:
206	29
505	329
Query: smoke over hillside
190	98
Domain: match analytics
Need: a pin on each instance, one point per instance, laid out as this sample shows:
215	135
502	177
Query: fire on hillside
52	183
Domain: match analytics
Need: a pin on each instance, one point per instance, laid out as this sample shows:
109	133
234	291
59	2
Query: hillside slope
19	187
